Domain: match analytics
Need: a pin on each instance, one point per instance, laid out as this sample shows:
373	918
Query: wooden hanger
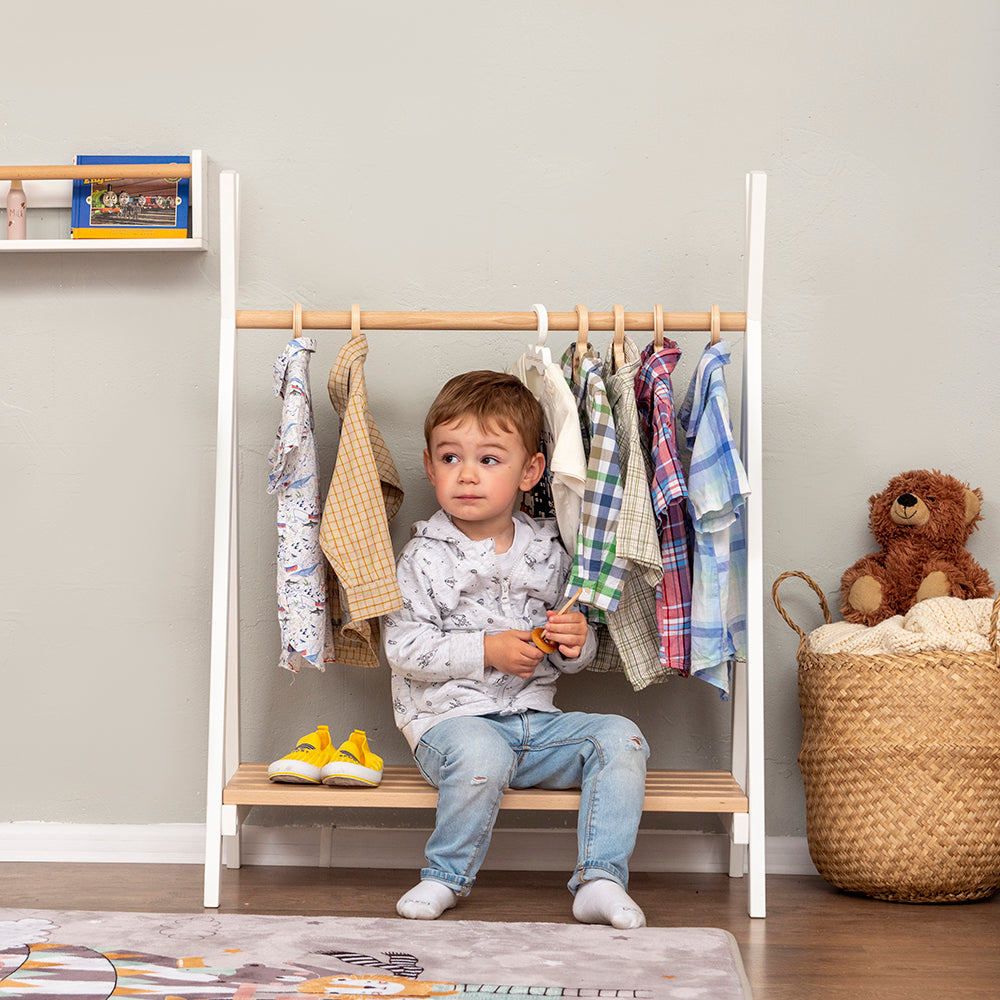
716	325
582	336
658	327
537	354
297	320
618	344
355	321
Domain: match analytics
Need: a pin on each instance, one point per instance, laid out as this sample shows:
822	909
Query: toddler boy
472	694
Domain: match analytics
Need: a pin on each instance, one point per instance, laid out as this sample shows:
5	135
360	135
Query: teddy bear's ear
973	504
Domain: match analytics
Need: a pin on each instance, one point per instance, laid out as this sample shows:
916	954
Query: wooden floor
815	942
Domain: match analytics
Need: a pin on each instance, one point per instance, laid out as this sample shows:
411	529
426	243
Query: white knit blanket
937	623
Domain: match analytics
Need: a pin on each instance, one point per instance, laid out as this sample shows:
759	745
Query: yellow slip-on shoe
354	763
304	765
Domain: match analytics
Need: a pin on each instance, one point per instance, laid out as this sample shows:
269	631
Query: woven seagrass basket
900	759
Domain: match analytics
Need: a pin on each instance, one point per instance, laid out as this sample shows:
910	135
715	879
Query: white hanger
537	354
618	344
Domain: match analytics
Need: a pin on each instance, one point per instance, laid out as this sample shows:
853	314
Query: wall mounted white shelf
52	187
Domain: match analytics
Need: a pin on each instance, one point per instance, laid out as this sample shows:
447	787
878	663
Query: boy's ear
428	466
532	471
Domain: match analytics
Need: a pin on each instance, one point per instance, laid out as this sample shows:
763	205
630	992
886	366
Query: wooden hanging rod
673	322
81	172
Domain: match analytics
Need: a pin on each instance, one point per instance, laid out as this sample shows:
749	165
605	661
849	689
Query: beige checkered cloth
365	494
630	640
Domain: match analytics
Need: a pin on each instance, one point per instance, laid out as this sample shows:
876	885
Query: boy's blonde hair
489	398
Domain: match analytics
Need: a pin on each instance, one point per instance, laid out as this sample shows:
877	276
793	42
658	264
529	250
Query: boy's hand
512	652
568	632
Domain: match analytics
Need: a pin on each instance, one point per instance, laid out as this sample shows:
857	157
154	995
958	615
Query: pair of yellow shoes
315	761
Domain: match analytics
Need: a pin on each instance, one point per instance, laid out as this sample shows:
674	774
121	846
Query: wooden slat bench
405	788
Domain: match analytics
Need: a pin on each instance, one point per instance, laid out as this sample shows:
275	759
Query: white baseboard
510	850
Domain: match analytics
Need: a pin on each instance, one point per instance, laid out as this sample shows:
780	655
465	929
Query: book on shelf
130	207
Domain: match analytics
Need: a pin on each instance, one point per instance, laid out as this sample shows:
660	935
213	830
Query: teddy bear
922	521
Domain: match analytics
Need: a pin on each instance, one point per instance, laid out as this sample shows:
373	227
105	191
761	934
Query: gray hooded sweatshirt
454	594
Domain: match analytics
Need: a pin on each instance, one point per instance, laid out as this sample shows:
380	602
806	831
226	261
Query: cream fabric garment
566	463
938	623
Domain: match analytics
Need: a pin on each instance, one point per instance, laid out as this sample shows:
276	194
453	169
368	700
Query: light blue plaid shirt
597	567
717	492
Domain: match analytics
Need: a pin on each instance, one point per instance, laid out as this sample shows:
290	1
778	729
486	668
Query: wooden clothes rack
234	787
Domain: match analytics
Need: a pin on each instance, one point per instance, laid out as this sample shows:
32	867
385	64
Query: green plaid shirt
597	565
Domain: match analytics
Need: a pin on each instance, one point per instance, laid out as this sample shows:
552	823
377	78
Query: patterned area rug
80	955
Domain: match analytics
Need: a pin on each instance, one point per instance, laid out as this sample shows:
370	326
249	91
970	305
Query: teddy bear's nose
907	500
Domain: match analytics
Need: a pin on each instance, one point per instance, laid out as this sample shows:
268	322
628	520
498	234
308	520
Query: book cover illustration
130	207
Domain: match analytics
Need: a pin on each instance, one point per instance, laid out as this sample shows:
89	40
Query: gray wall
464	155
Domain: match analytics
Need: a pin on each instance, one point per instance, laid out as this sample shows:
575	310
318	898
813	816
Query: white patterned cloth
306	632
455	593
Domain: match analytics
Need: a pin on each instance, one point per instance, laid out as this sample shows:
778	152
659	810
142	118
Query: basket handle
822	600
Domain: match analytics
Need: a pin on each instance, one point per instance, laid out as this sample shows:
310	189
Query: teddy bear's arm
977	580
958	576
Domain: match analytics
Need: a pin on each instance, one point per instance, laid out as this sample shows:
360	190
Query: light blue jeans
471	760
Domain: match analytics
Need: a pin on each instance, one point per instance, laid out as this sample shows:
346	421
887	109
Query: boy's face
477	473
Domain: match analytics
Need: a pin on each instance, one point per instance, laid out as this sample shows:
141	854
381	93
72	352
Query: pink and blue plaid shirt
655	399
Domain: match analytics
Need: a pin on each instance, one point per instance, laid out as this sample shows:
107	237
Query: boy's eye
490	460
449	459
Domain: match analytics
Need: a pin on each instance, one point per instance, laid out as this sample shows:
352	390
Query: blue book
131	207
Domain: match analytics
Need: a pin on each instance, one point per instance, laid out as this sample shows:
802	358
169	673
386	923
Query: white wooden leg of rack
223	694
326	846
233	818
739	827
751	431
231	851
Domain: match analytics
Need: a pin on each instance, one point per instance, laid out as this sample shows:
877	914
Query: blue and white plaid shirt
717	492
